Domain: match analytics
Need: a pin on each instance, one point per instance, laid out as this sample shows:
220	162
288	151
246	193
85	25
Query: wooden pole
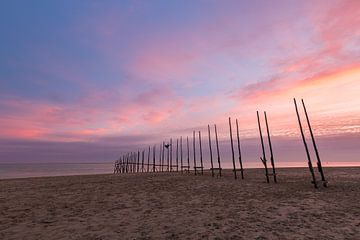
239	149
168	158
263	159
163	157
148	161
218	152
232	150
270	146
142	160
181	155
320	169
194	152
160	160
201	157
188	154
211	157
138	162
306	147
177	154
171	164
154	150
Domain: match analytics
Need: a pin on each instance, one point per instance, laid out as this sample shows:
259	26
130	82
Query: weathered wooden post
232	150
142	160
171	165
163	157
306	147
154	167
270	146
160	160
168	156
177	154
188	154
320	169
194	152
201	157
263	158
138	162
211	156
148	161
181	155
217	149
239	149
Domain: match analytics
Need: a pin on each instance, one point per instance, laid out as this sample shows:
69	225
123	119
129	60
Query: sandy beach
182	206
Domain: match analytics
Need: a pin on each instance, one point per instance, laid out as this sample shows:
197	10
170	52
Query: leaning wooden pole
239	149
201	157
232	150
319	165
211	156
263	159
217	150
271	150
306	147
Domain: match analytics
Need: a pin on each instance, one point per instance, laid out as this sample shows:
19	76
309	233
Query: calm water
23	170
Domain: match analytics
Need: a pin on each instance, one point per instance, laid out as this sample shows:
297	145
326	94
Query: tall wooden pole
232	150
239	149
171	154
188	153
320	169
142	160
181	155
263	159
168	158
194	152
211	157
217	149
163	157
270	146
306	147
148	161
154	150
177	154
201	157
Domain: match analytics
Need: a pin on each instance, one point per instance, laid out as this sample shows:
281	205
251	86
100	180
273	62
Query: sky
86	81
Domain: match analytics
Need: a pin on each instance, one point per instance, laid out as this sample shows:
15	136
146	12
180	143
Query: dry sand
176	206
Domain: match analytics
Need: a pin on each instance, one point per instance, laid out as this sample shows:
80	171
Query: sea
25	170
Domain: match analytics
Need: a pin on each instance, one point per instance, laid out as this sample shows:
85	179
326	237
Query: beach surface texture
182	206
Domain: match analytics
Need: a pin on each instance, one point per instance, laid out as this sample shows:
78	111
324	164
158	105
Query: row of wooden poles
134	162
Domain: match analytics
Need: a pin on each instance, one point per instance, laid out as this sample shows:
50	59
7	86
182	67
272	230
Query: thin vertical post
232	150
194	150
177	154
163	157
270	146
154	149
168	157
211	156
171	164
320	169
138	162
181	155
306	147
217	149
160	160
263	159
142	160
148	161
188	154
201	157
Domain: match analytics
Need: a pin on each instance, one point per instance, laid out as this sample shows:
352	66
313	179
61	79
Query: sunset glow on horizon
88	80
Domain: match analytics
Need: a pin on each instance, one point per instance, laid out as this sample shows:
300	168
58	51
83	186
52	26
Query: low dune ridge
182	206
